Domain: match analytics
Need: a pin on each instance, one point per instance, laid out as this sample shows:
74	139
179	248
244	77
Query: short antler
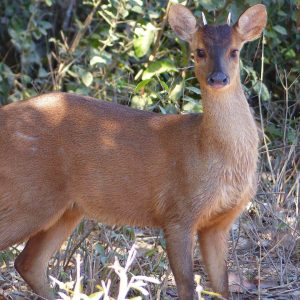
204	19
229	19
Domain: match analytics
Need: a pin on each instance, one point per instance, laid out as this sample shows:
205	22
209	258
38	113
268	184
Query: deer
65	157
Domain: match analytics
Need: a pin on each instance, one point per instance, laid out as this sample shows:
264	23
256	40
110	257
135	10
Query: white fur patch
26	137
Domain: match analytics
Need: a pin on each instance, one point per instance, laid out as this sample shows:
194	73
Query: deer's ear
182	22
252	22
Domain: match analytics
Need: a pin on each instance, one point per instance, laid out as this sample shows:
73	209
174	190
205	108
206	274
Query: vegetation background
124	51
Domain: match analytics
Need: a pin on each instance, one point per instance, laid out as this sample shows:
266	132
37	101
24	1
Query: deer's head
216	48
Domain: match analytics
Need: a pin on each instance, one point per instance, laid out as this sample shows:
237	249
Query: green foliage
97	50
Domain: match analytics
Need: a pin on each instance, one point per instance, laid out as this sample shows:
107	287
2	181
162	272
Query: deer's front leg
180	253
214	245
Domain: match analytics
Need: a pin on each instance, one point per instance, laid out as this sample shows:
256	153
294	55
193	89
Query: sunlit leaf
158	67
194	90
139	102
192	108
261	89
103	58
135	6
177	91
141	85
97	60
144	36
48	2
87	78
190	99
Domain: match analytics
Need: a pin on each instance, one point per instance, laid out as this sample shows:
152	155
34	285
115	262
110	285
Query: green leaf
251	2
139	102
162	110
103	59
87	78
144	37
141	85
280	29
210	5
194	90
135	6
43	73
158	67
282	13
171	109
48	2
163	84
100	249
97	60
274	131
46	25
190	99
260	88
290	53
177	91
192	107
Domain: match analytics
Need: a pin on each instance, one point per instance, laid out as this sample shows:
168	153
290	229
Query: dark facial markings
217	36
217	40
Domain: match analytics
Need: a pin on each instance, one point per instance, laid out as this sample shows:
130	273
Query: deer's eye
201	53
234	53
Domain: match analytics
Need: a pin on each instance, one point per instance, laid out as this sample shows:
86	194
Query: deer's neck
227	117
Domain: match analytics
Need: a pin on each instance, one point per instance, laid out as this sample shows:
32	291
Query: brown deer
65	156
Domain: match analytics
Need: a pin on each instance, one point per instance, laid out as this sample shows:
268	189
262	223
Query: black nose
217	78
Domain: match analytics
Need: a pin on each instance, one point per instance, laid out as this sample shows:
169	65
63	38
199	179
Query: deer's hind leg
33	261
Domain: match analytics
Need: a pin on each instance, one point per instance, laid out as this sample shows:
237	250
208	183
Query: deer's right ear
182	22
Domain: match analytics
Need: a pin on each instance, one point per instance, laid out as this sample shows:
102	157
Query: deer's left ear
252	22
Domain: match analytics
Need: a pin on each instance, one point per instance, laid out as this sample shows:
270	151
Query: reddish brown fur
65	156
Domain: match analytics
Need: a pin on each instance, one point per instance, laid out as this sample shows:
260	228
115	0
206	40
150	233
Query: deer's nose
217	79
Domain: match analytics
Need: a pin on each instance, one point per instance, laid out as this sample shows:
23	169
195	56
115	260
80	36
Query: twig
68	14
86	234
82	31
260	111
160	33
